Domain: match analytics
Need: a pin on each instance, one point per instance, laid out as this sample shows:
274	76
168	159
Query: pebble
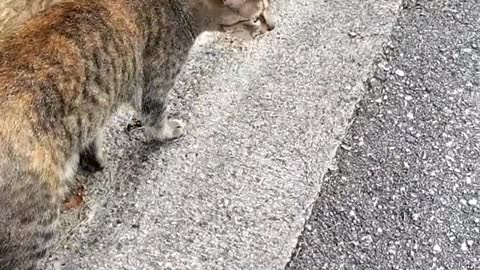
468	180
352	34
473	201
400	72
367	239
437	248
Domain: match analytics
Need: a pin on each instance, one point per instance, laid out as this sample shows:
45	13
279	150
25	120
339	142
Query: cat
65	71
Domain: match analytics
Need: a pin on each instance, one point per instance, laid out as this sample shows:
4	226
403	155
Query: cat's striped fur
65	71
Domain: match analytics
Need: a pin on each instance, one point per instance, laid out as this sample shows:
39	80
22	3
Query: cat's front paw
171	129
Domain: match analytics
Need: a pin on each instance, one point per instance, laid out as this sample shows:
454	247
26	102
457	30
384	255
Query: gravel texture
406	190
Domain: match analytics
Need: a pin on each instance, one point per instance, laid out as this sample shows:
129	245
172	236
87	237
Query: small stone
474	46
468	180
400	72
346	147
308	227
352	34
464	247
470	243
463	201
447	157
410	116
437	248
467	50
473	201
367	239
449	144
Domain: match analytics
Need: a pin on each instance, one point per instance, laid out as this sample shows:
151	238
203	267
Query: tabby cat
65	71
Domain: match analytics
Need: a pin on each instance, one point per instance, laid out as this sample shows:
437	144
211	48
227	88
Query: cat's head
246	19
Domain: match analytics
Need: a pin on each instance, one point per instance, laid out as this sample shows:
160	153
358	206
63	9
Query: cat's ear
233	3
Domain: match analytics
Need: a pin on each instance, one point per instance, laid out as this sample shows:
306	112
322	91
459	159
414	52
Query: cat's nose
270	26
270	23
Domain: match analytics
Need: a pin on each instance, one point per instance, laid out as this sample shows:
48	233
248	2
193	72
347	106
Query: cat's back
33	58
58	47
61	63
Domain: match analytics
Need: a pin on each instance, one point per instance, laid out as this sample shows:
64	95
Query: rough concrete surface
264	122
406	193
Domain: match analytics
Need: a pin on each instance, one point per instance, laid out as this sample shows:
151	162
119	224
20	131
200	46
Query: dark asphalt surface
406	191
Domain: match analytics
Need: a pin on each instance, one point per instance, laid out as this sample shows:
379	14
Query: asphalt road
406	190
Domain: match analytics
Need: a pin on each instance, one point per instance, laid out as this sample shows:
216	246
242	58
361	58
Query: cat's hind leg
91	158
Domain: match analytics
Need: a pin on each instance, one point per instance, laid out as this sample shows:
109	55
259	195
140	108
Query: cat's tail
28	214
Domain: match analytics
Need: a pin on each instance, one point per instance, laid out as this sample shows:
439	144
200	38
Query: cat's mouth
229	27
